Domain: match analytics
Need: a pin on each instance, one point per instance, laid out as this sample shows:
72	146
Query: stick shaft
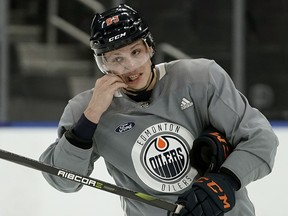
88	181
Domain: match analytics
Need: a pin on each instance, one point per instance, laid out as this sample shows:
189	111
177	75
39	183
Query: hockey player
143	118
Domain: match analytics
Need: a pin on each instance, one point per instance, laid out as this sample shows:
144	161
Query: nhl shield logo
161	157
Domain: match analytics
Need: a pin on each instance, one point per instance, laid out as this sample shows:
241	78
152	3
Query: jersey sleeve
65	155
245	127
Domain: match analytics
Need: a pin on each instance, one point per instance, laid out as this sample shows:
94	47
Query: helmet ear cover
117	28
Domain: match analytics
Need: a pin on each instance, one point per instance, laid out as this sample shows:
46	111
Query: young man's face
132	63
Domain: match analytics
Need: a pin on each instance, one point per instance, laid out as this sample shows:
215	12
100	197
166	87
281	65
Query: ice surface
23	191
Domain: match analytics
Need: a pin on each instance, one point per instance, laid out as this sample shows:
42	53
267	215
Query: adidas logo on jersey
185	103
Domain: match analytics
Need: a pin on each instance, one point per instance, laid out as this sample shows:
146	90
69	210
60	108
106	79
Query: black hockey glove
212	195
209	151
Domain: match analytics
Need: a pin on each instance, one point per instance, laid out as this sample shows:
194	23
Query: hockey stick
88	181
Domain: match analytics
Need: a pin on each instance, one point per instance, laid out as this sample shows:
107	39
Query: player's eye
115	60
136	52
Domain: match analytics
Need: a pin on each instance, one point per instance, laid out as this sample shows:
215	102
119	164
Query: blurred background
45	56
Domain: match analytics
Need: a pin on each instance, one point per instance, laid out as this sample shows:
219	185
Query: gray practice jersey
146	145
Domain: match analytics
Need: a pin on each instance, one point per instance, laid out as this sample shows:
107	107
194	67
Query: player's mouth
133	78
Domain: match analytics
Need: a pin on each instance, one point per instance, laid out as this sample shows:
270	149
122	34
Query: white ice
23	191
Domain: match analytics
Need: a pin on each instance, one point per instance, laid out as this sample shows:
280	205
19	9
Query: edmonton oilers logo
160	157
166	157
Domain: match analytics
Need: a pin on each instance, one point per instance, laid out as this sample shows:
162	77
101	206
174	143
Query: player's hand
209	151
211	195
104	89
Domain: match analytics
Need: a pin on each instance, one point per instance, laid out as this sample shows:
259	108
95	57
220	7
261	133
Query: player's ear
151	51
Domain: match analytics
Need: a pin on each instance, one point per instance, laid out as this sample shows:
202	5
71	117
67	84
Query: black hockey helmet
116	28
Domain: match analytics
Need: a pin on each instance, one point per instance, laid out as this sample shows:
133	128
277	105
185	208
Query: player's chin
134	87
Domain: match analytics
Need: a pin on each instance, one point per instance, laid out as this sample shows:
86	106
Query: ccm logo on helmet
116	37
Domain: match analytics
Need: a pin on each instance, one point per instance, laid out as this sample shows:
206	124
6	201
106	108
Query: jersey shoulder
187	71
196	68
79	102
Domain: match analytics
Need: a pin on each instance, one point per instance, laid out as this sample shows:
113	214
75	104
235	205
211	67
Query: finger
117	85
108	80
112	77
